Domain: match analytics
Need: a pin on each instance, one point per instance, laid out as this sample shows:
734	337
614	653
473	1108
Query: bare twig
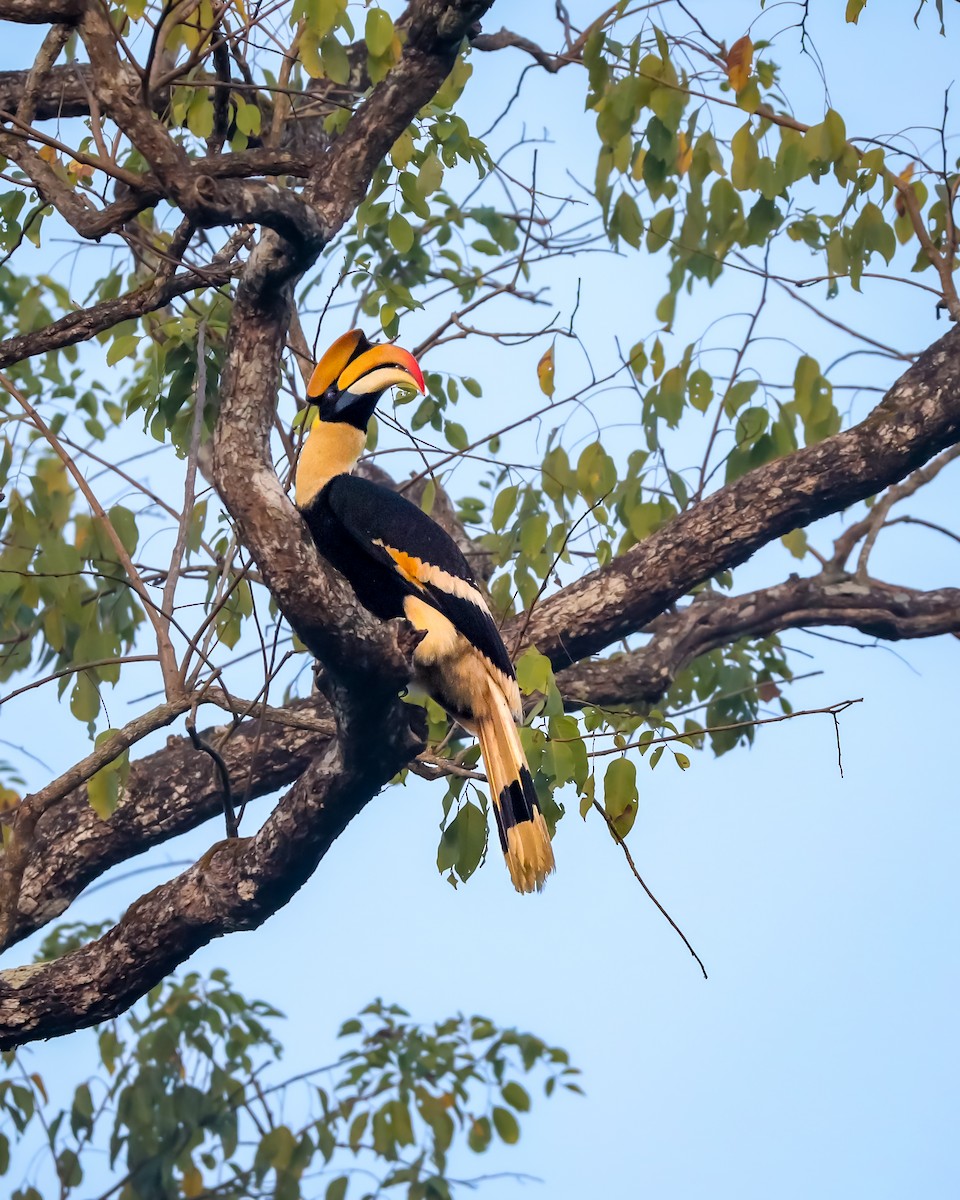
639	878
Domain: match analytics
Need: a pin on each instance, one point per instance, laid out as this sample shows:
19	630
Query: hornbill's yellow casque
401	563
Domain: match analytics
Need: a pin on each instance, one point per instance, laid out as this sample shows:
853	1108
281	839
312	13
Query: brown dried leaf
739	62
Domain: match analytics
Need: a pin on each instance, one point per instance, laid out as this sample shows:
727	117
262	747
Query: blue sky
820	1058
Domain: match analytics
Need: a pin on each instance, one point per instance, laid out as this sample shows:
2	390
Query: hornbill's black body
401	563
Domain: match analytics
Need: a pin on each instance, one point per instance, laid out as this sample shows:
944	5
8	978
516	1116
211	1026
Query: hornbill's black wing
397	534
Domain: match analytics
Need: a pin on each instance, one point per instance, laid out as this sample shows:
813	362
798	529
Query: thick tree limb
237	885
918	417
175	790
252	878
168	793
65	92
40	12
877	609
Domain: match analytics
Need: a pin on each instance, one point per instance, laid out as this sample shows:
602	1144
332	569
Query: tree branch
40	12
917	418
881	610
167	793
65	92
236	885
85	323
174	790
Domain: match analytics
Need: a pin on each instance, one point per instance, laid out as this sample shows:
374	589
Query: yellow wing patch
409	567
419	573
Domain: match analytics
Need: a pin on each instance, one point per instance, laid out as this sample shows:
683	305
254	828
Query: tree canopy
236	185
186	1101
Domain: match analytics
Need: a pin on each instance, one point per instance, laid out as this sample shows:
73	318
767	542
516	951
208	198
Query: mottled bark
40	12
168	793
334	766
236	885
880	610
918	417
367	663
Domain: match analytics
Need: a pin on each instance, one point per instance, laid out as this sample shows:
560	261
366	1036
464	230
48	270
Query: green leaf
620	795
746	158
122	347
533	535
534	672
700	389
545	371
504	505
506	1126
626	220
68	1169
200	115
336	64
428	496
826	141
105	788
596	472
337	1188
400	232
796	543
378	33
430	176
125	526
309	52
84	699
456	435
516	1096
248	119
479	1135
661	226
463	842
854	9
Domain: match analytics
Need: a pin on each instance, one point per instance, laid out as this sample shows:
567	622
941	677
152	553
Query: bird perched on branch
401	563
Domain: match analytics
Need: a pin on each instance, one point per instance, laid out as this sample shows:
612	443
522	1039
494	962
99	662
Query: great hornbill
401	563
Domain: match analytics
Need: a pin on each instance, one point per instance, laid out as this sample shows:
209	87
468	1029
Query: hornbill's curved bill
401	563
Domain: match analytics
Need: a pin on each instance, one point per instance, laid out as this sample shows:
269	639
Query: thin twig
229	816
189	486
633	867
165	652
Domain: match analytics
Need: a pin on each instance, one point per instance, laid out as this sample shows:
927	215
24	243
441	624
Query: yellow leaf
48	154
78	171
545	372
684	154
739	61
904	177
192	1182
